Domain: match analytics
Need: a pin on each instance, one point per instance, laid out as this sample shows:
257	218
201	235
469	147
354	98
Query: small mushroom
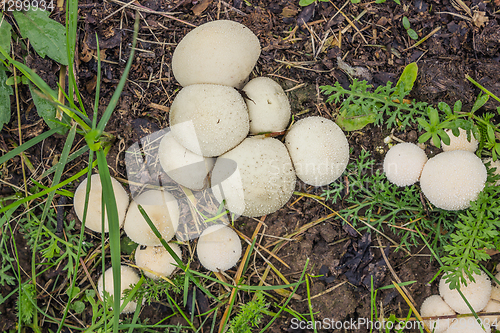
434	306
460	142
492	306
319	150
183	166
452	179
209	119
219	248
255	178
268	106
219	52
128	279
163	211
94	211
156	261
403	164
477	293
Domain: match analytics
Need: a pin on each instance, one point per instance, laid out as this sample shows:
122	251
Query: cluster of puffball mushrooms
450	180
481	295
210	124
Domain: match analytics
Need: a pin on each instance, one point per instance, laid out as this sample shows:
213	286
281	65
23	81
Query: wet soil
300	47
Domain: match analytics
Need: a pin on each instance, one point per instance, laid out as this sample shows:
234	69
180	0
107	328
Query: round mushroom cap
157	259
219	248
94	211
163	211
468	325
452	179
183	166
319	150
492	306
403	164
219	52
268	106
128	279
477	293
434	306
460	142
209	119
255	178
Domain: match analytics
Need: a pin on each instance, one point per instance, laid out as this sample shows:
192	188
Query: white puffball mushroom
128	279
403	163
268	106
94	211
468	325
452	179
477	293
460	142
434	306
157	259
209	119
219	52
319	150
492	306
163	211
219	248
255	178
183	166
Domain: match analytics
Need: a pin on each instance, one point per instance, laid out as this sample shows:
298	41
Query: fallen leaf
479	19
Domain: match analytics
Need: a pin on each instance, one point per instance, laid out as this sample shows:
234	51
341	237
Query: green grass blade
27	145
76	154
60	168
98	83
108	198
42	193
116	95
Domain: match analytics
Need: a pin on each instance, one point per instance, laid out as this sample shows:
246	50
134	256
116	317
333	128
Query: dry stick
238	274
410	305
423	39
396	277
147	10
350	22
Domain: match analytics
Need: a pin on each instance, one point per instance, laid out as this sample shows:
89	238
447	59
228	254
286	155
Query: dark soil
301	58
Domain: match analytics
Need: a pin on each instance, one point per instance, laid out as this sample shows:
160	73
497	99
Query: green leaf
408	77
457	107
355	1
352	122
445	108
304	3
46	110
413	35
127	245
5	92
425	125
398	2
444	137
480	101
433	116
406	23
380	1
5	33
491	134
78	306
435	140
47	36
424	137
